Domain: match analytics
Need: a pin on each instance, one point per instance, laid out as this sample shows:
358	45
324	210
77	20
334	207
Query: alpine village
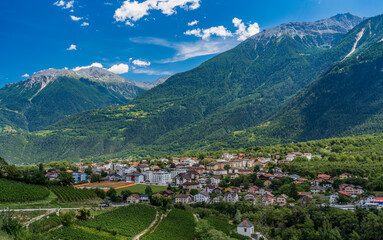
278	137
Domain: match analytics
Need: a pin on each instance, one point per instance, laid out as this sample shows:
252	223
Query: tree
214	234
10	224
237	217
193	192
343	199
84	214
227	167
13	172
201	229
95	177
66	178
148	190
3	164
100	193
68	218
112	193
293	191
125	194
41	167
88	171
103	173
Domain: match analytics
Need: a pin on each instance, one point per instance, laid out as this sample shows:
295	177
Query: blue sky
143	39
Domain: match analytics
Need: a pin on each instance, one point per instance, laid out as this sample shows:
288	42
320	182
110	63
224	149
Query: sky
143	39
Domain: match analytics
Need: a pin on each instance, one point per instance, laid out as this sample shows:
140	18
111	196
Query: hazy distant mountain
150	85
52	94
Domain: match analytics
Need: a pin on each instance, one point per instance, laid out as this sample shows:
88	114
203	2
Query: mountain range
288	83
51	95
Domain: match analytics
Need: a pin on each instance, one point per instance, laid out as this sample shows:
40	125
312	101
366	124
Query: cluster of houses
78	176
206	175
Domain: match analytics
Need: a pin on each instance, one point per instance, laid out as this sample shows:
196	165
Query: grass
140	188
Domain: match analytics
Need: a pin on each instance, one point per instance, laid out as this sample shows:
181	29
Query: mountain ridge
235	90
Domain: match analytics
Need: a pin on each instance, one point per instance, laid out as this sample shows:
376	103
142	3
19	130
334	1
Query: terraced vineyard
127	221
12	191
179	224
73	233
71	194
45	224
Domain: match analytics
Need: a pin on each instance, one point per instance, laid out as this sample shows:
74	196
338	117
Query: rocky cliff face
325	33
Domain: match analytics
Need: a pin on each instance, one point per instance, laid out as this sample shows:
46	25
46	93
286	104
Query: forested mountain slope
345	100
235	90
51	95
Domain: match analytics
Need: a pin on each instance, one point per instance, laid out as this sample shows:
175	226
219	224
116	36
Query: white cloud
132	11
119	68
140	63
242	32
64	4
205	34
72	47
99	65
186	50
74	18
84	24
195	22
25	75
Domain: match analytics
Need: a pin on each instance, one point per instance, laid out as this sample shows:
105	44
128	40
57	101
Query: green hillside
52	95
233	91
346	100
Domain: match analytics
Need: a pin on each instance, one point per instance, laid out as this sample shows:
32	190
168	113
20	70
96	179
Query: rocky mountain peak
101	75
47	76
319	33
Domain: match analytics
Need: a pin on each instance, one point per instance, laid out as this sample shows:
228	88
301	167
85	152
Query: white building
231	197
160	178
215	180
134	178
334	198
245	228
202	197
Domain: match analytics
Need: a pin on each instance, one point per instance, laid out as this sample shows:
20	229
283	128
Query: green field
140	188
12	191
179	224
127	221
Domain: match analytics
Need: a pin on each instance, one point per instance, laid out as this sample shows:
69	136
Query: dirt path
137	237
162	217
38	218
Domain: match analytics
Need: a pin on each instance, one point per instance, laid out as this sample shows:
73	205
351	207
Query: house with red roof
375	199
